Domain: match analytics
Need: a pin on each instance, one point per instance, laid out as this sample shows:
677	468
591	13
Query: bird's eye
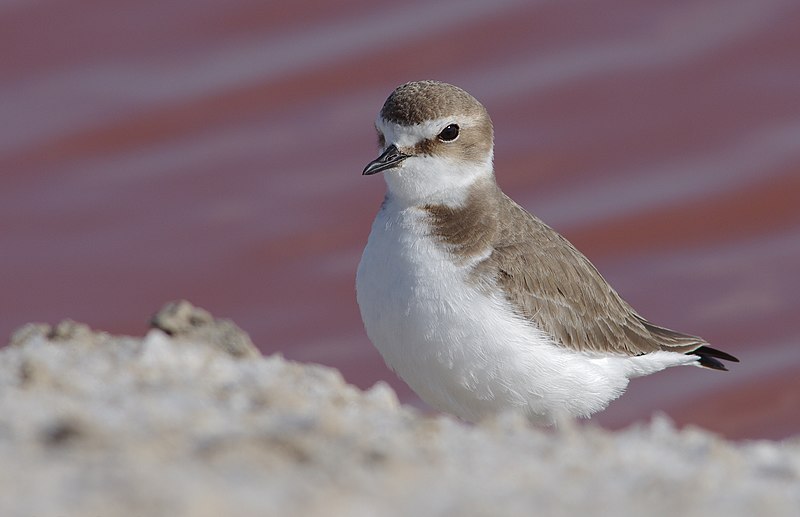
449	133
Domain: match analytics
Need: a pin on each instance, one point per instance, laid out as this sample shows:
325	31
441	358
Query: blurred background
212	151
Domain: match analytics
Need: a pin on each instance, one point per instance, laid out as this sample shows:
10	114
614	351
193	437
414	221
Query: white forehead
407	136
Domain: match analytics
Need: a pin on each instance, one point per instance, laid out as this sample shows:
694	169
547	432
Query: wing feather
552	284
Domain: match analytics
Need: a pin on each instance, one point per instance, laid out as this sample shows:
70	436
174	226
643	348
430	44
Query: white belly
460	349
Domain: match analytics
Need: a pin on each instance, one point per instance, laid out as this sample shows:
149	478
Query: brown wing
555	286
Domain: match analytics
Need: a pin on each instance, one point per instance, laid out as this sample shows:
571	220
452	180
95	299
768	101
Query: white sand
94	425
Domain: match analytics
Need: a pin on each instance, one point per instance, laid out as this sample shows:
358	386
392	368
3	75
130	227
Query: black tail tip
710	358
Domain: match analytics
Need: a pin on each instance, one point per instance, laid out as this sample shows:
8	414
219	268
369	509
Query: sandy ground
190	420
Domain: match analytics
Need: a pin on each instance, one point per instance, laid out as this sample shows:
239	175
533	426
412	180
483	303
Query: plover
476	304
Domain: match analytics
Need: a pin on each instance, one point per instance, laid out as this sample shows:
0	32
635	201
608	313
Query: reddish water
159	150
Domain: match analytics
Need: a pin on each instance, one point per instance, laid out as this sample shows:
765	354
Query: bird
478	305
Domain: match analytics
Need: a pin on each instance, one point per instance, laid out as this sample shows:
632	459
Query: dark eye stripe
426	146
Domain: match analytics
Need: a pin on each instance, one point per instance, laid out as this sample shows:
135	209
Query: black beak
388	160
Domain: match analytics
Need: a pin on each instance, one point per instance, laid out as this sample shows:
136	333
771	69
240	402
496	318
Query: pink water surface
212	151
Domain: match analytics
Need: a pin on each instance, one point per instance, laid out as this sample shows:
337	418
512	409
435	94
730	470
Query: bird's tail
710	357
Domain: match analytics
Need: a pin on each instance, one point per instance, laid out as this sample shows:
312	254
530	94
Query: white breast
460	349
